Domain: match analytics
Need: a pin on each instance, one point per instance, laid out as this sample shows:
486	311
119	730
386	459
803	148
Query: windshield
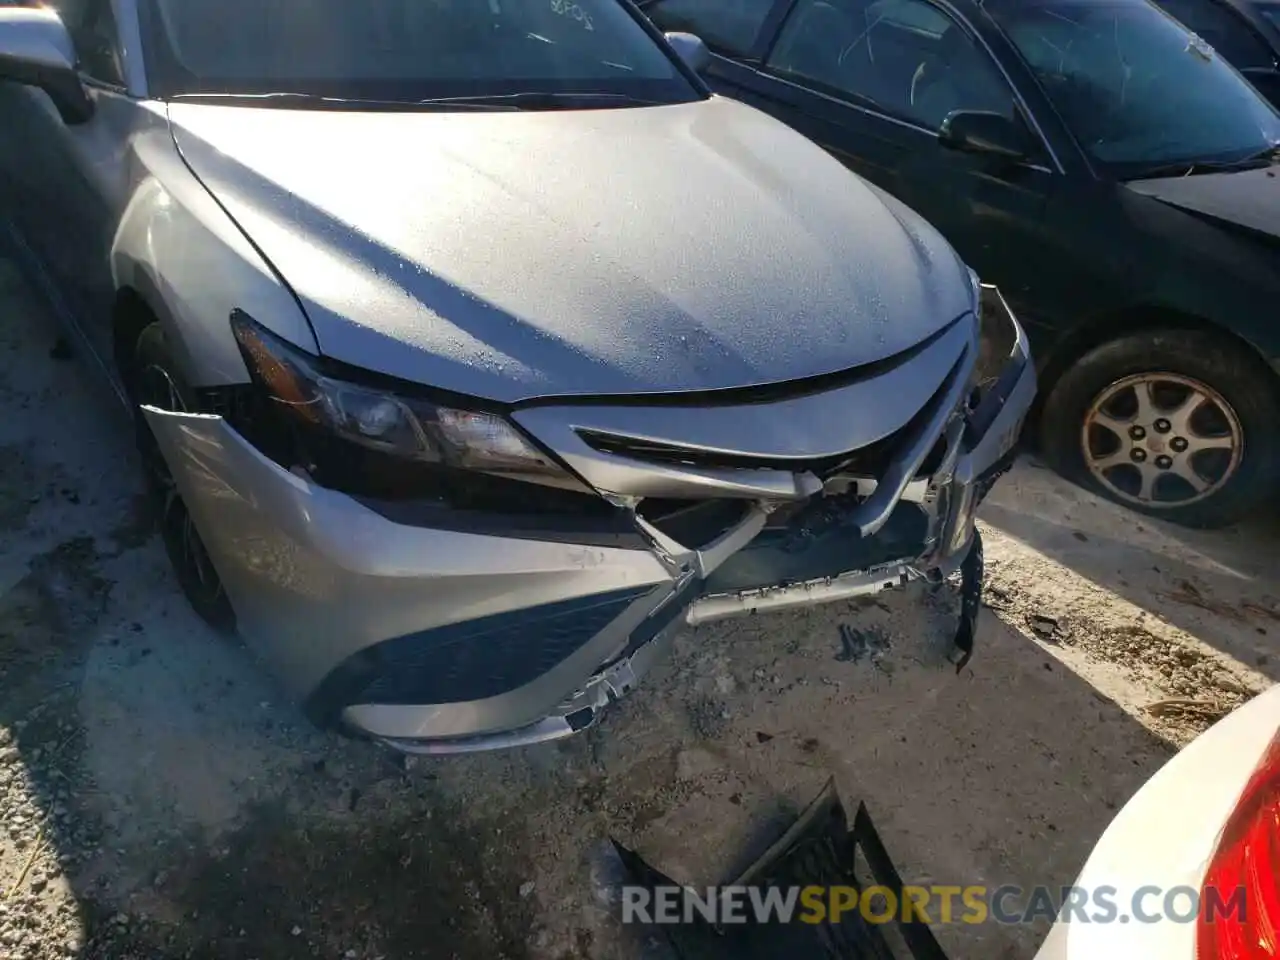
406	50
1136	88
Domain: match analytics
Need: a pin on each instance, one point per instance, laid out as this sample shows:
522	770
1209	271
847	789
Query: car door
871	81
900	67
74	180
1237	40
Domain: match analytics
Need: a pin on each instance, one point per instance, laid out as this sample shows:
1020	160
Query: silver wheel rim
1162	440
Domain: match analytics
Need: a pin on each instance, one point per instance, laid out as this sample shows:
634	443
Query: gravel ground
159	801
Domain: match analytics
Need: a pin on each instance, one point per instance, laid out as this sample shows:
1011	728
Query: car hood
1239	200
512	255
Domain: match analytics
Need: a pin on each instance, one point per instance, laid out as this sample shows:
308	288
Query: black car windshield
404	51
1138	91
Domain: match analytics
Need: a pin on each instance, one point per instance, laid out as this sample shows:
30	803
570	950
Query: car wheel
1178	424
155	381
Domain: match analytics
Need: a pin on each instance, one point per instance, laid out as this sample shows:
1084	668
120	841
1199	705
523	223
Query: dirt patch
422	882
1185	684
48	612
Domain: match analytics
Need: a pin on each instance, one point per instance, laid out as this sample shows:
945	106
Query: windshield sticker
566	8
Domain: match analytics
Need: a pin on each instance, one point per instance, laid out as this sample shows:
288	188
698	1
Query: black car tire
154	379
1236	375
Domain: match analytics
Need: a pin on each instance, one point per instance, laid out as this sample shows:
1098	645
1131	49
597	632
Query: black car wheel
1177	424
154	381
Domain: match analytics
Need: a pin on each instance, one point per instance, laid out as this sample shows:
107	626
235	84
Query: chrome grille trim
781	450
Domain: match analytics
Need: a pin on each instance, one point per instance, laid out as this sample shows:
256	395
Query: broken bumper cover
452	640
819	850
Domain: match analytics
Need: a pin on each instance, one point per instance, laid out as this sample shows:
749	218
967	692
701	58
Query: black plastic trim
992	403
818	849
473	660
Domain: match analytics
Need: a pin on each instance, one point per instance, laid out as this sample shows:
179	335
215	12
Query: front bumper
450	640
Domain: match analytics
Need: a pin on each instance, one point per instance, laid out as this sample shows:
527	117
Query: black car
1099	163
1245	32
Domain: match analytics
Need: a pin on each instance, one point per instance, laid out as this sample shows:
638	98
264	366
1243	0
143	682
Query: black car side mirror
981	131
36	50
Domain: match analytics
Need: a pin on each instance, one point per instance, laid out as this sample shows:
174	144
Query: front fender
192	265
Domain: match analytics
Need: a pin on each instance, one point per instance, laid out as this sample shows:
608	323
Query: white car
1208	820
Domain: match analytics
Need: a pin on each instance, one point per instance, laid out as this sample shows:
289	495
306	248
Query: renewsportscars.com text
930	904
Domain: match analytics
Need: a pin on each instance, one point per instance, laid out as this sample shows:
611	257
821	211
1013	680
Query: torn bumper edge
315	577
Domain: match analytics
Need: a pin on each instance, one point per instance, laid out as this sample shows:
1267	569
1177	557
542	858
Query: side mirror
35	49
691	50
980	131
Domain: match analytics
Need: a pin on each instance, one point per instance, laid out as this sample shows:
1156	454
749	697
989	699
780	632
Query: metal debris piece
857	645
1045	627
971	571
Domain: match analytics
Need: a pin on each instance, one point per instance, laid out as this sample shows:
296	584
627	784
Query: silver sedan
474	347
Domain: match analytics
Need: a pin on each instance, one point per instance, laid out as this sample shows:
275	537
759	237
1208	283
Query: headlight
384	420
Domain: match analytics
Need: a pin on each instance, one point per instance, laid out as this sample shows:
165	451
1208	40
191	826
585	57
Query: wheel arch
1103	327
131	313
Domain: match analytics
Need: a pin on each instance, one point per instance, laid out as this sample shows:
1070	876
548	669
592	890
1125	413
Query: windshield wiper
531	100
541	100
1190	168
292	98
1265	157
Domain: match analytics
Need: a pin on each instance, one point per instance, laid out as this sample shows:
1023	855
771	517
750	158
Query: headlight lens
380	419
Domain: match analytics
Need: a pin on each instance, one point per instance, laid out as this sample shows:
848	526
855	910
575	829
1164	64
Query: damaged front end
554	570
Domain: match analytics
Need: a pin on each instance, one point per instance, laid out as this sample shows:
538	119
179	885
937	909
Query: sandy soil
158	800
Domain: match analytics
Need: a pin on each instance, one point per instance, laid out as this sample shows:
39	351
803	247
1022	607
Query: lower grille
819	850
468	661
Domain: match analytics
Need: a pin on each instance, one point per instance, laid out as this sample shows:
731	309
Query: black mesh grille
483	658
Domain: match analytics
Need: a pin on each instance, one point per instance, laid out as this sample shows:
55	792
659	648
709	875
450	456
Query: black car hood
1244	199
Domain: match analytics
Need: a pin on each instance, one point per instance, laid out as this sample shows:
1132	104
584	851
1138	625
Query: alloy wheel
1162	440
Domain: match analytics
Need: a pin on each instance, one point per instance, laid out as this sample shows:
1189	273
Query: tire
155	379
1233	427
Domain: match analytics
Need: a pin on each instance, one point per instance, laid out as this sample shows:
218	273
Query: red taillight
1247	859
